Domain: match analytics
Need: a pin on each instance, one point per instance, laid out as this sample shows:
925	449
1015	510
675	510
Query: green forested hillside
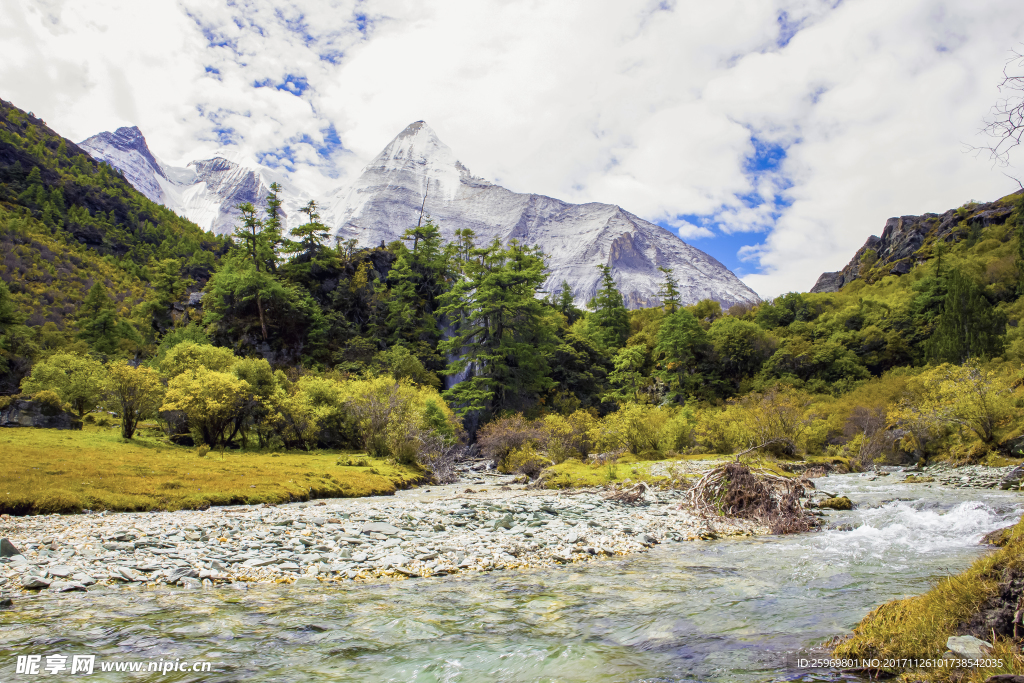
94	273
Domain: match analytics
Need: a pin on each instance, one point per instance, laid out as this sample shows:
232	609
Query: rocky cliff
907	241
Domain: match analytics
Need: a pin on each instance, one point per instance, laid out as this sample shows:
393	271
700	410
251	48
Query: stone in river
61	571
7	548
288	567
359	557
380	528
84	579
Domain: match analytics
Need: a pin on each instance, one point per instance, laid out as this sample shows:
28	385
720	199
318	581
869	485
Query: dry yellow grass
918	627
59	471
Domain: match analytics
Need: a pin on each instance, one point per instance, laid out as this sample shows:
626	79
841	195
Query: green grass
918	627
577	474
49	471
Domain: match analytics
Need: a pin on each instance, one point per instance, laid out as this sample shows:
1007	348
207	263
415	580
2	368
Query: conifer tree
969	327
502	337
669	292
610	317
565	302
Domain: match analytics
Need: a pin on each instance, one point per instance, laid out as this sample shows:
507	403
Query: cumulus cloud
798	125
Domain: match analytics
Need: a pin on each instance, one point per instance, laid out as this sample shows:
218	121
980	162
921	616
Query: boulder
26	413
1012	478
837	503
7	548
999	537
969	647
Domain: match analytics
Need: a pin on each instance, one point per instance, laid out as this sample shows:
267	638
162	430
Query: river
726	610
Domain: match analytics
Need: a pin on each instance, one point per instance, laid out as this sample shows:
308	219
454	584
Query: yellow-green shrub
569	436
525	460
635	428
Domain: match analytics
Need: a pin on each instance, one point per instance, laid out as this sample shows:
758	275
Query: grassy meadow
47	471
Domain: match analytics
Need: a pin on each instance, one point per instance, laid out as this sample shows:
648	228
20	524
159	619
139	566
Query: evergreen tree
565	302
681	344
610	317
502	337
669	292
312	234
969	326
273	230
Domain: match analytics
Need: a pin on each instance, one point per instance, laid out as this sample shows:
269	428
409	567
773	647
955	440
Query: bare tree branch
1005	122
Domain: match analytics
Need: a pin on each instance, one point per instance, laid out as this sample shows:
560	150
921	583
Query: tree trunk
263	323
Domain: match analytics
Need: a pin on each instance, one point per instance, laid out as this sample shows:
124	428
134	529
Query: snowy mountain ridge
417	175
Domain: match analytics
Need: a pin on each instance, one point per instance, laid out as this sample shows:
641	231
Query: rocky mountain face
417	176
900	247
206	192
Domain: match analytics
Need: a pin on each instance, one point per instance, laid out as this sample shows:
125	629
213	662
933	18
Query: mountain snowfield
417	175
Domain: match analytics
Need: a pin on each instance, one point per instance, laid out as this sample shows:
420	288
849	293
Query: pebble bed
967	477
426	532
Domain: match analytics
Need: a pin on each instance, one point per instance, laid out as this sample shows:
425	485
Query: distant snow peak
417	173
207	192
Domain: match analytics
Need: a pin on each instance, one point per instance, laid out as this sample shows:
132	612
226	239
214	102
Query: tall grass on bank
47	471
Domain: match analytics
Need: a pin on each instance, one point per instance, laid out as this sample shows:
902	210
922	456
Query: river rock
837	503
968	647
34	582
999	537
380	528
7	548
66	586
60	571
1012	478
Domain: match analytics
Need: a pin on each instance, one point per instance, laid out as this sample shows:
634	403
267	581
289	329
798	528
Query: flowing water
709	611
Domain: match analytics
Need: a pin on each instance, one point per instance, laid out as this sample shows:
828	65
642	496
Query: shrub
635	428
499	438
49	402
525	460
104	421
569	436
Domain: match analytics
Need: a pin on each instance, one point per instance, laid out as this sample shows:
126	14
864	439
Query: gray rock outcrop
26	413
906	242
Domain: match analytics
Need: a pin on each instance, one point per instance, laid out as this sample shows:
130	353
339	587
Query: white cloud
651	105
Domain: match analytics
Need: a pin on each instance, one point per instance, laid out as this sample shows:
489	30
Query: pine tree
969	327
565	302
681	343
312	234
273	232
610	317
502	337
669	292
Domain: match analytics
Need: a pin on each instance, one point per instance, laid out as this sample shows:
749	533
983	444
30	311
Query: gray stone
190	582
19	559
968	647
258	562
395	560
83	579
60	571
34	582
380	528
288	567
7	549
24	413
66	586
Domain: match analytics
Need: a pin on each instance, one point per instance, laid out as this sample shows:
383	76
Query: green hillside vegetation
409	349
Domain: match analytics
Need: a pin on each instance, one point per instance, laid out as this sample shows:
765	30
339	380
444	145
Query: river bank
483	523
735	610
422	532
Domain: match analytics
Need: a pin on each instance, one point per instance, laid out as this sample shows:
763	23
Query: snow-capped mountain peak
417	174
